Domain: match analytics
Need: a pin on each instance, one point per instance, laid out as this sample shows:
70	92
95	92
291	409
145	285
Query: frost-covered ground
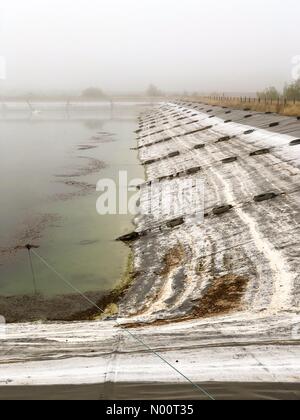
218	299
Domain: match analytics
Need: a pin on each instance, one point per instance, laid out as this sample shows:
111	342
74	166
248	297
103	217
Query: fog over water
50	164
123	45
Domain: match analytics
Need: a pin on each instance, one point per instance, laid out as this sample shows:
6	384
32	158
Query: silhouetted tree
269	93
153	91
292	91
93	93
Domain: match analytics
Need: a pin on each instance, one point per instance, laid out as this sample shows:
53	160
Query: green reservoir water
50	162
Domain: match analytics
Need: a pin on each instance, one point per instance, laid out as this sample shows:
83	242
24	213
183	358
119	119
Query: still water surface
50	162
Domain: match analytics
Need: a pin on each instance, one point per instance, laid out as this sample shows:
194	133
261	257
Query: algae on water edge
109	303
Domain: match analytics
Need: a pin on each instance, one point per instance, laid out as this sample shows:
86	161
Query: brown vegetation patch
224	296
172	259
288	109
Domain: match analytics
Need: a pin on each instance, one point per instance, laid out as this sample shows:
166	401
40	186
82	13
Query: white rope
199	388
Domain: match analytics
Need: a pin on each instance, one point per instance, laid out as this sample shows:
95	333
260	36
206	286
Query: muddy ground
60	308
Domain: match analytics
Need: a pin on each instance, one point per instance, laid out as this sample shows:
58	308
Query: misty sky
122	45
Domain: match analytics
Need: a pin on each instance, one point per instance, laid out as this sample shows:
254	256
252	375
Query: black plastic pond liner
249	132
173	154
130	237
199	146
170	155
150	161
192	171
274	124
230	159
222	139
198	130
191	122
260	152
222	209
265	197
164	178
175	222
295	142
164	139
158	142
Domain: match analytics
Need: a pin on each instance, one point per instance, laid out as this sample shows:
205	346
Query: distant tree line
93	93
290	92
154	91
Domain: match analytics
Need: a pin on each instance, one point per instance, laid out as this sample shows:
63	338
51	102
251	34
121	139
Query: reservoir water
51	157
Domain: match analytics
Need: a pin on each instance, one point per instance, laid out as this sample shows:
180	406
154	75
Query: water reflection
52	155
